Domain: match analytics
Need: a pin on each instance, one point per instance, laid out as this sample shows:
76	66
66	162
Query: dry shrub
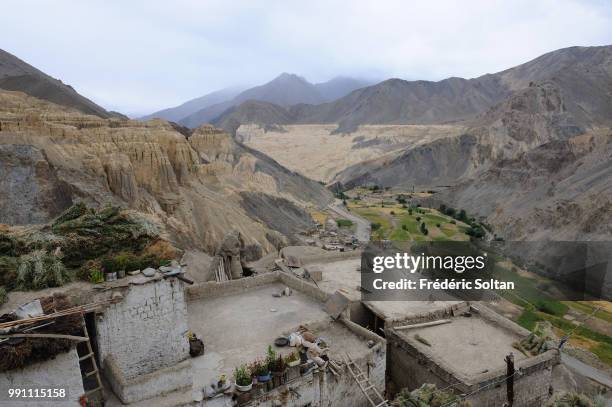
162	249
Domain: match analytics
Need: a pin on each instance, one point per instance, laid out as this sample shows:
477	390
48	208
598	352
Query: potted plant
293	359
243	379
261	371
271	357
278	369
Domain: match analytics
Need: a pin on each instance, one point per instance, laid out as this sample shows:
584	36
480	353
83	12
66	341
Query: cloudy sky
140	56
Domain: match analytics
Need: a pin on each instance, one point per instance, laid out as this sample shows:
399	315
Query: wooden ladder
95	372
374	397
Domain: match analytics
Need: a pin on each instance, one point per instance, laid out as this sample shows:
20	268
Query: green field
397	223
530	295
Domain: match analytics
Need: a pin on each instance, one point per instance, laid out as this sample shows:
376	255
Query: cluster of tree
475	229
378	188
341	195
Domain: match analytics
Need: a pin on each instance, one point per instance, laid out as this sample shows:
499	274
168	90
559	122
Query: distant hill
285	90
17	75
174	114
396	101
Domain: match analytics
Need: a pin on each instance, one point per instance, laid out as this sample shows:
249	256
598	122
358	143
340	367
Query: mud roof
237	327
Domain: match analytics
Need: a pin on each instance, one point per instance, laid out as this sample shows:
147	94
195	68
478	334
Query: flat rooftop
340	275
345	276
238	328
468	345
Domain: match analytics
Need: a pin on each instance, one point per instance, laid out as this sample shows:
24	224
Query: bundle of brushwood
20	351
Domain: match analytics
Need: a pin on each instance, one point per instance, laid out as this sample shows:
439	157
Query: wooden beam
49	336
424	324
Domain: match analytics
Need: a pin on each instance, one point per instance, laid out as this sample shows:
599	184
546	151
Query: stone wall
62	372
142	336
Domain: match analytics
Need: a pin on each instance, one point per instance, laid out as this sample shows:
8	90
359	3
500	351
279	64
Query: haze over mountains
285	90
175	114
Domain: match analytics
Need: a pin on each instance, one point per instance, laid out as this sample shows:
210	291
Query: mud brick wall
146	330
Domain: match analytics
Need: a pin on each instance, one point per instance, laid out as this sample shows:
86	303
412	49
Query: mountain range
284	90
397	101
556	108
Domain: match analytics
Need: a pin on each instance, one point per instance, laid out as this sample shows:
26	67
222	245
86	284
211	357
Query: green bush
376	226
40	269
344	223
128	262
91	272
552	307
8	245
475	231
528	319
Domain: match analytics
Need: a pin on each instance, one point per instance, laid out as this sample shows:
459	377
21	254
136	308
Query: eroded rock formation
53	156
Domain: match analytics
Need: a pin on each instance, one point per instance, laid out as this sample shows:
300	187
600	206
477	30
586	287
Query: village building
140	329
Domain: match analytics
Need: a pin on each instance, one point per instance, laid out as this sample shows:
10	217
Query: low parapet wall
434	315
214	289
330	257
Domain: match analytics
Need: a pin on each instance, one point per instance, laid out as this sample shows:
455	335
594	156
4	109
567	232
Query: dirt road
362	226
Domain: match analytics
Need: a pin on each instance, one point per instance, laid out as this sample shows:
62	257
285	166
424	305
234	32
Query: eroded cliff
53	156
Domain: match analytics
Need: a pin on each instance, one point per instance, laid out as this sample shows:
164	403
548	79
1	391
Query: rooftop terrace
237	328
468	345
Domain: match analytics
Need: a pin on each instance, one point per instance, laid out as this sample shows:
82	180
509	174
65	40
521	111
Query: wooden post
510	379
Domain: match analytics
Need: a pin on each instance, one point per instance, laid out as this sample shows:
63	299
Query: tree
424	229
